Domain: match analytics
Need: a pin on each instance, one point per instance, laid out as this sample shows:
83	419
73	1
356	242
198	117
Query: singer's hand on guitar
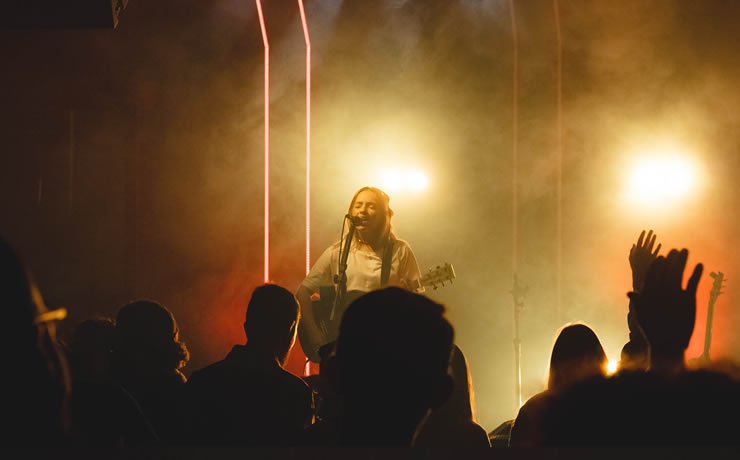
641	256
308	330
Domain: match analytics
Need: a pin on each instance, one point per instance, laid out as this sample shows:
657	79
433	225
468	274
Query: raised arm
666	312
641	256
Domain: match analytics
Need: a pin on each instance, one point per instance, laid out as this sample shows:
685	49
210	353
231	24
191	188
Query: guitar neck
708	330
715	292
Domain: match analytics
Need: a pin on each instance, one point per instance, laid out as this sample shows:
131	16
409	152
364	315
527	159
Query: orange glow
267	140
707	248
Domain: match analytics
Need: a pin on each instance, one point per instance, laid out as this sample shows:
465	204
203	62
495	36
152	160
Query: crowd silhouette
118	382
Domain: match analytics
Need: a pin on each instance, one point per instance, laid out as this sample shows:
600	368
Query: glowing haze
138	169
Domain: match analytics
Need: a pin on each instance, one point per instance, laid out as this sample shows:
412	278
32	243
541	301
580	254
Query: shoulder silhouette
248	399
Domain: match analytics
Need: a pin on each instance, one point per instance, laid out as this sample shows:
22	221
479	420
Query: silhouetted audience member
453	424
392	359
577	355
148	357
103	413
665	405
248	399
35	383
90	350
329	402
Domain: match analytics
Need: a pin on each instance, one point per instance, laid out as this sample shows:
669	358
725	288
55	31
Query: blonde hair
384	208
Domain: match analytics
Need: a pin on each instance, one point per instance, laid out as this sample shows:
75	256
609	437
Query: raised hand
665	311
641	256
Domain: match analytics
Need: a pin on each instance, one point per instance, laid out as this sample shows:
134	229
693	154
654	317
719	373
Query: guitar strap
385	268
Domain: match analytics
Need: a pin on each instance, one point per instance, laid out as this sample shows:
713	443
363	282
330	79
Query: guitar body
323	318
329	325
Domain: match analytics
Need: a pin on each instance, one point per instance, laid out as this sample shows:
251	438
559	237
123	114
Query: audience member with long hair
148	358
577	355
453	424
665	404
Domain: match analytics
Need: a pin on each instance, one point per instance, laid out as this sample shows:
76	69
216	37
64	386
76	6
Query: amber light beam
307	38
267	140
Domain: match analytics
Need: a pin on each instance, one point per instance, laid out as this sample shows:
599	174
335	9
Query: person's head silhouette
148	340
272	320
576	354
406	340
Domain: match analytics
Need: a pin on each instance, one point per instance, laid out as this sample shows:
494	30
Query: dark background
132	158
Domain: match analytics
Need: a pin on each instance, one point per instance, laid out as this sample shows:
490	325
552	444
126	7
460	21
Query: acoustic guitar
323	303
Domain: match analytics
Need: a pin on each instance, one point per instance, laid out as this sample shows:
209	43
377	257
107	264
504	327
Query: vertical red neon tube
307	38
267	140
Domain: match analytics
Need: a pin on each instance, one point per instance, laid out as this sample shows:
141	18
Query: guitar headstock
438	276
717	286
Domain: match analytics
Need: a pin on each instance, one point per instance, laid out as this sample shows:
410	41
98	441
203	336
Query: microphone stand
340	279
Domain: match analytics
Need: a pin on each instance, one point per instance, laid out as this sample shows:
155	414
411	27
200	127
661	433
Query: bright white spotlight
392	180
404	180
416	180
661	179
612	366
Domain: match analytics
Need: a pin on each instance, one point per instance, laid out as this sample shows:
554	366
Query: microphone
355	220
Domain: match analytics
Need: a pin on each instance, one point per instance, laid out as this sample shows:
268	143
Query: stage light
661	178
392	180
612	366
404	180
416	180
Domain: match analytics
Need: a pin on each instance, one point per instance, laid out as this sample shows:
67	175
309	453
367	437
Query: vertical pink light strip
267	140
307	38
